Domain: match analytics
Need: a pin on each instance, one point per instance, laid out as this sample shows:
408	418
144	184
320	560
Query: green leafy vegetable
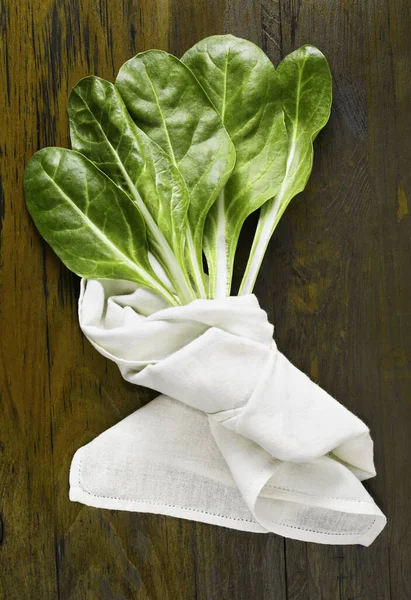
306	86
169	162
91	223
167	102
242	84
102	130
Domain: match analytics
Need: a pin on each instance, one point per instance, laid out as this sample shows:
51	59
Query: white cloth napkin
240	437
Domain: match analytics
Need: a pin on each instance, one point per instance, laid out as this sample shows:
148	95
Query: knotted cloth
239	437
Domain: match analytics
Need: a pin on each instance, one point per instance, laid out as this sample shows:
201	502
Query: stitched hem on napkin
79	494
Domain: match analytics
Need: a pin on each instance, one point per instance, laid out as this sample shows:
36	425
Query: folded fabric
240	437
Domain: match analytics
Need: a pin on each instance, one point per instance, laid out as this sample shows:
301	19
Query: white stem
265	229
169	261
196	271
268	222
160	271
221	274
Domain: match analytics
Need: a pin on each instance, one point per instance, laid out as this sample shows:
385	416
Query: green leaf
167	102
102	130
306	97
87	219
242	84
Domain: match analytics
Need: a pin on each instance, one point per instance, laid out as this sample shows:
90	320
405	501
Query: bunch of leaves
168	162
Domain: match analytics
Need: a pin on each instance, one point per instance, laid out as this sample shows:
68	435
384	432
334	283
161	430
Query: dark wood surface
336	283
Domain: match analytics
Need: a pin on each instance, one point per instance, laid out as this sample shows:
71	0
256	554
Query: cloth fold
239	437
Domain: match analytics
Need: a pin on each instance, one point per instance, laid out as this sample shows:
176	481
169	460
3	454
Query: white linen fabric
239	437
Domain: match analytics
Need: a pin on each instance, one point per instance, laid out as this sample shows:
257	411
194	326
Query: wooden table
336	283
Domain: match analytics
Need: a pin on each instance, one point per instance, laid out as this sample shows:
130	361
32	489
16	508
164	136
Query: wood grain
336	283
